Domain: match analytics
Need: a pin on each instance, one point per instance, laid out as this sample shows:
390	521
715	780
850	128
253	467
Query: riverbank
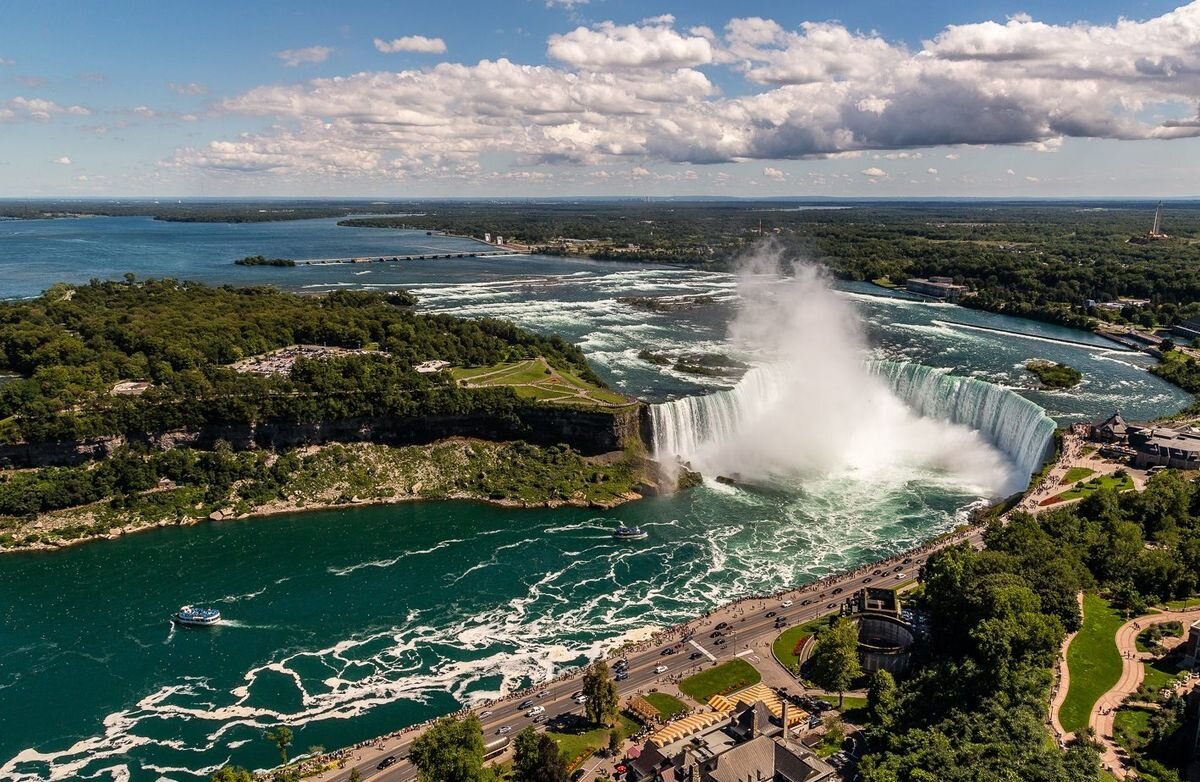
512	475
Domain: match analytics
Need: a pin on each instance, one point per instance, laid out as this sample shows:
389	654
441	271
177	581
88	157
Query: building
1189	329
1160	445
430	367
937	287
1111	430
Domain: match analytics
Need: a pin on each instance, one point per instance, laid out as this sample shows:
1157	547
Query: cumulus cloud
931	171
63	161
652	44
190	88
411	43
565	3
6	61
819	90
873	172
774	173
312	54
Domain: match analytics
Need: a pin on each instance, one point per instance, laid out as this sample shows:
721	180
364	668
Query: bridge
414	257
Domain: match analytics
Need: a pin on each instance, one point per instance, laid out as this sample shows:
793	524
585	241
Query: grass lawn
1124	483
785	645
572	745
532	379
1160	673
1093	661
1077	474
725	678
1179	605
854	710
1131	727
667	705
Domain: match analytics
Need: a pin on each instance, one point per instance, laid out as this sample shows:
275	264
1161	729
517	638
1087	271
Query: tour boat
201	617
630	533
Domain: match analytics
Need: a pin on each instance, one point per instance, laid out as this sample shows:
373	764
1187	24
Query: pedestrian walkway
1132	673
1059	695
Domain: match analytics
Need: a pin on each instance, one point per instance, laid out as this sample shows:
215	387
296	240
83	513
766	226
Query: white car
580	699
660	669
786	604
536	710
504	729
483	715
901	576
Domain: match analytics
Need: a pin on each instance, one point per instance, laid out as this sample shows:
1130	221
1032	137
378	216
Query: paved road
748	625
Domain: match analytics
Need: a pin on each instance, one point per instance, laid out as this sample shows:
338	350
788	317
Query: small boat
630	533
197	617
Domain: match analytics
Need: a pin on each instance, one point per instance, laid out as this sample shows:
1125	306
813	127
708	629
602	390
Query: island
259	260
1054	375
150	402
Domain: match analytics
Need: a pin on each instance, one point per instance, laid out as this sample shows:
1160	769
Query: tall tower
1156	231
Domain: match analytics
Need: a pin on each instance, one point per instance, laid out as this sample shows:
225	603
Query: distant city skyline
562	98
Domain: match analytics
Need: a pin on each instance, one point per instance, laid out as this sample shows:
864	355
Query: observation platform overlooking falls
431	256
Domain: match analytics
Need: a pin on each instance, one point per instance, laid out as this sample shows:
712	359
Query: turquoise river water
346	624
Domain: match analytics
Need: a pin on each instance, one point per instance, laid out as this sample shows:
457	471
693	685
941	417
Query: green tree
451	750
834	660
232	774
551	766
525	754
614	741
600	691
355	775
281	737
881	701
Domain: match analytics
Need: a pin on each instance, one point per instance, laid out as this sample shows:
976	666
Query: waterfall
1015	425
713	429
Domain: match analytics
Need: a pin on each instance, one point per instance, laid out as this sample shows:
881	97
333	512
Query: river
346	624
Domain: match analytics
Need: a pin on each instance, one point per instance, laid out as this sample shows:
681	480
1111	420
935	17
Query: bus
495	749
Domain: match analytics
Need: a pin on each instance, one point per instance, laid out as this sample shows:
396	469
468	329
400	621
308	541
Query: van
660	669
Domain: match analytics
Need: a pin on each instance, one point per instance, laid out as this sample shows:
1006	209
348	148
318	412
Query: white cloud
634	92
873	172
651	45
312	54
63	161
1010	172
190	88
774	173
411	43
565	3
6	61
931	171
1032	179
40	109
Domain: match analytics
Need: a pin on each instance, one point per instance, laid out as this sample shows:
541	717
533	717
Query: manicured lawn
785	645
532	379
854	709
725	678
1093	661
1124	483
667	705
572	745
1131	727
1178	605
1160	673
1077	474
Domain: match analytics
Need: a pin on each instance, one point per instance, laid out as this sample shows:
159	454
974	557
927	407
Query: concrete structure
937	287
1113	429
883	643
1189	329
1164	446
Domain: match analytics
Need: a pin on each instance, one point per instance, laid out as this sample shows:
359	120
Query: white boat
197	617
630	533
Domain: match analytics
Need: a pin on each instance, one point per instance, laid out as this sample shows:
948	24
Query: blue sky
526	97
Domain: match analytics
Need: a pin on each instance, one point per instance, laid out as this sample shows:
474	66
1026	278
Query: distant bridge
415	257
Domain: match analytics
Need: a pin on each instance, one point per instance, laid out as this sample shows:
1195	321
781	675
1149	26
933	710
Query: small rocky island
1054	375
262	260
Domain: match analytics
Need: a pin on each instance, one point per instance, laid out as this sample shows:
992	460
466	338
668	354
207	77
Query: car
483	715
722	626
543	693
876	572
907	560
580	699
539	718
504	729
1156	469
719	642
535	711
781	621
771	614
576	694
786	604
901	576
898	568
660	669
668	650
867	580
525	704
579	774
387	762
715	634
824	705
621	663
805	602
695	656
838	591
831	605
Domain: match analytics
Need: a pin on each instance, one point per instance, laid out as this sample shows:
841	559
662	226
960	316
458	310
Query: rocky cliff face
589	432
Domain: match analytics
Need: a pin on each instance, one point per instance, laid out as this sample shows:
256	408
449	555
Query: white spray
812	408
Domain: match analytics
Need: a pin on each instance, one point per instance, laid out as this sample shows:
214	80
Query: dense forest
70	346
996	620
